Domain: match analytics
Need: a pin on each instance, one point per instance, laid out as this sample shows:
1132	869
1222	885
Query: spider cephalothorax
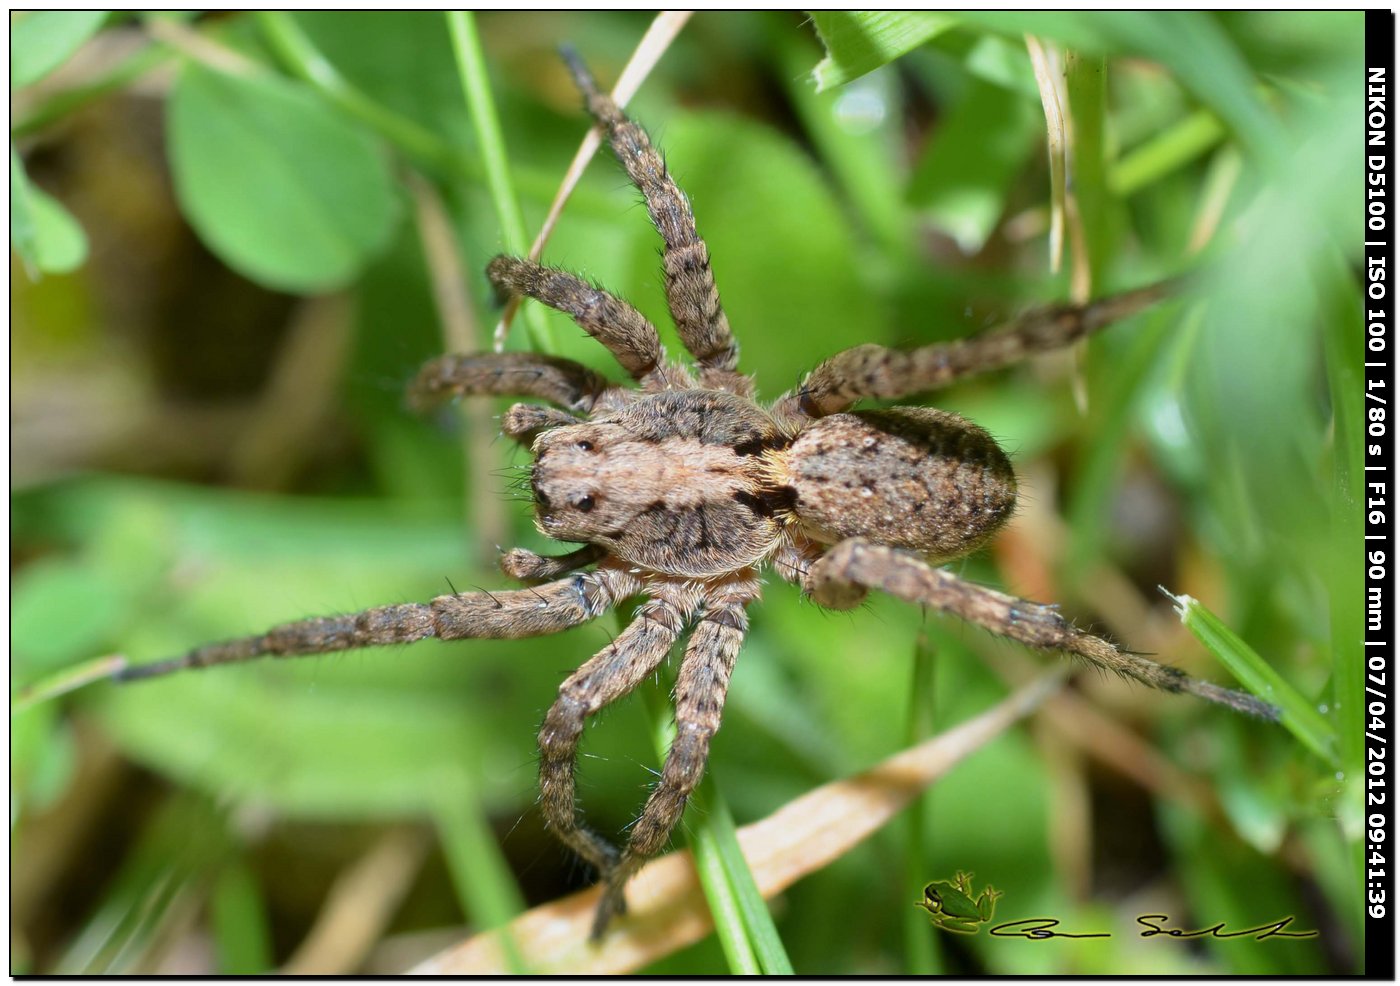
682	489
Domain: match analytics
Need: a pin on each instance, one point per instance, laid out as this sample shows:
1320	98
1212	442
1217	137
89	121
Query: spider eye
585	446
584	504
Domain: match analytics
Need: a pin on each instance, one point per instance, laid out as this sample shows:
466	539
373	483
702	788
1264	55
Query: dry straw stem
660	34
360	906
666	907
1049	80
462	333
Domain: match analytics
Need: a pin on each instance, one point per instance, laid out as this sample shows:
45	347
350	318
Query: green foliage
42	40
44	234
961	181
278	183
858	42
1212	450
1252	671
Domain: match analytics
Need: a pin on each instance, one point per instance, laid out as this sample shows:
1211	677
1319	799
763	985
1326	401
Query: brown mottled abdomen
908	477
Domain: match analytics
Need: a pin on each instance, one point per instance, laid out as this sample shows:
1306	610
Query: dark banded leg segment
507	614
701	687
690	283
853	566
874	371
617	325
605	678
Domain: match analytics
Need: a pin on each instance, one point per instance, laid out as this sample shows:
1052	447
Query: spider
683	488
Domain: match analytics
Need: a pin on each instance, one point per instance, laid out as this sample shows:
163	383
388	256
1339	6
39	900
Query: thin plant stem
301	56
922	952
715	846
476	87
483	881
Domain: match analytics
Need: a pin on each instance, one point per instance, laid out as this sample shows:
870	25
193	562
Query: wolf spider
683	488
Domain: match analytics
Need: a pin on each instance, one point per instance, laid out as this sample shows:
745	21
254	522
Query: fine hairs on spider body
684	488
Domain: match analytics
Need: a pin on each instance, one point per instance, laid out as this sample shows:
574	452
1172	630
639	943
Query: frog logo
952	906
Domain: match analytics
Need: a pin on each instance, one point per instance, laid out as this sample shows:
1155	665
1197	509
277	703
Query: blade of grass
720	838
724	908
745	928
1086	89
922	951
238	915
67	680
476	86
1255	674
1173	148
1342	348
860	41
483	880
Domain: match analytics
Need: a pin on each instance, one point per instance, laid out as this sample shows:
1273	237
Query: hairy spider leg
507	614
875	371
617	325
608	676
691	294
839	579
701	686
547	378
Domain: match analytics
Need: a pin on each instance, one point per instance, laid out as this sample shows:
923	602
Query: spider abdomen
908	477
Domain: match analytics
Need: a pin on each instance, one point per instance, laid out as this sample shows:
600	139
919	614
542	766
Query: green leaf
22	234
60	243
861	41
276	182
1252	671
42	40
46	237
962	180
47	630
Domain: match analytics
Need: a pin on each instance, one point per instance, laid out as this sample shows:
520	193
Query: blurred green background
224	235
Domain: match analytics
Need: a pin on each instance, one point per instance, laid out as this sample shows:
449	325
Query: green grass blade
922	951
1255	674
238	913
860	41
1090	230
1343	348
745	929
719	838
476	85
483	880
1166	152
724	908
66	680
